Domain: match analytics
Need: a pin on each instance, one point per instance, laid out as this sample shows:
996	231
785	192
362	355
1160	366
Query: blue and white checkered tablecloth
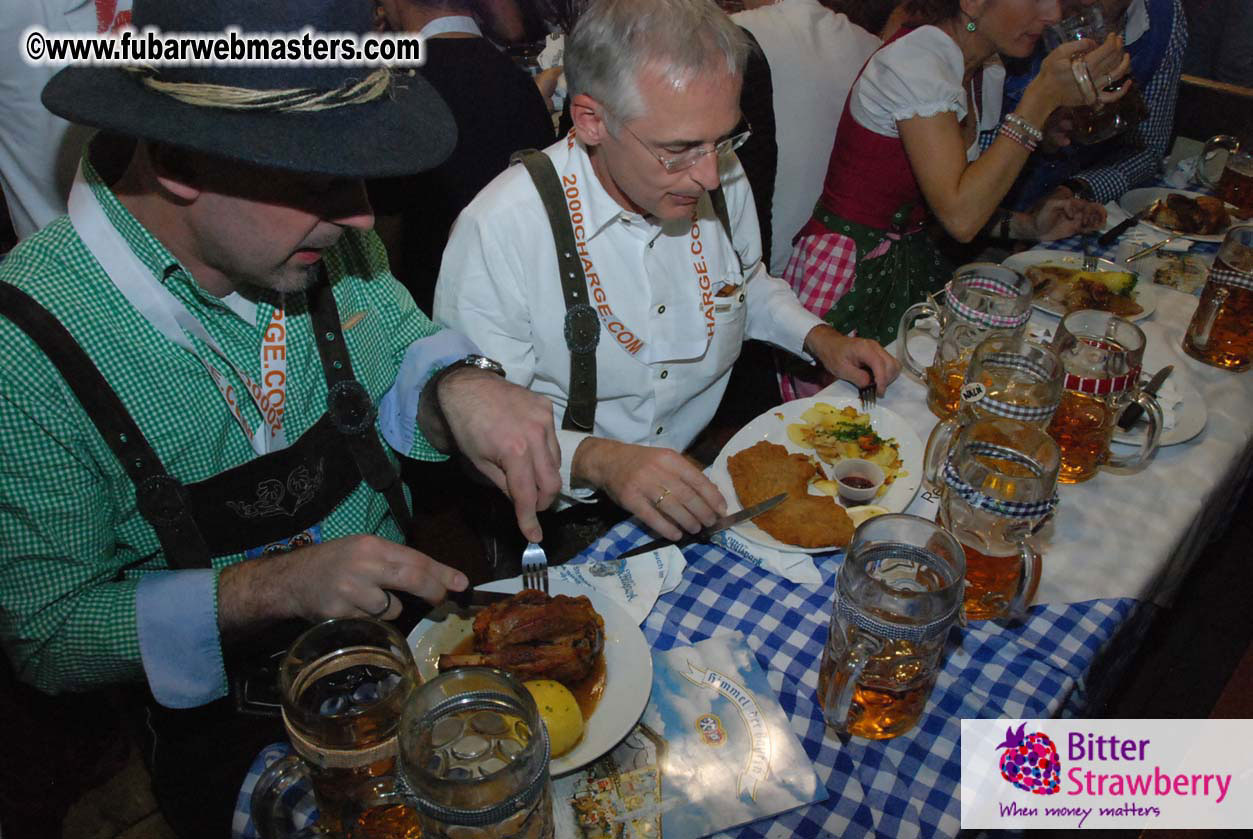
903	787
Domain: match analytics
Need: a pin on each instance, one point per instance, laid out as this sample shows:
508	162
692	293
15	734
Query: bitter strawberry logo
1030	762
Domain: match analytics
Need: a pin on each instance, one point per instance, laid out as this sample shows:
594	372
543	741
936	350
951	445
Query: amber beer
349	712
897	594
1094	124
982	299
344	685
991	583
944	384
1221	332
1235	186
890	696
1082	427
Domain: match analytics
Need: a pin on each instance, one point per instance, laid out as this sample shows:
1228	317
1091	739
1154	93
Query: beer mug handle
848	671
1028	582
1149	447
1206	314
1212	145
916	312
267	796
938	445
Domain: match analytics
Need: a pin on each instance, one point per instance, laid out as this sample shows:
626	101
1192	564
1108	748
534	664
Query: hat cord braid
247	99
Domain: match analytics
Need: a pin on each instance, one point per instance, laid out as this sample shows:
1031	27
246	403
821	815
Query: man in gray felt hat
196	366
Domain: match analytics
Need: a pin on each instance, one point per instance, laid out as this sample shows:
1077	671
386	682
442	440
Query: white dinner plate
1143	293
772	427
1135	200
628	676
1190	418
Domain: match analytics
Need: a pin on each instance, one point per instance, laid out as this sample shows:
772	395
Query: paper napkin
790	565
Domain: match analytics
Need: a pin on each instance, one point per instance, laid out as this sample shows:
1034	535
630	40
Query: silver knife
1133	411
718	526
1110	236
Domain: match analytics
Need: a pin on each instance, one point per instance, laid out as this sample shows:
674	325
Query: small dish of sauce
858	481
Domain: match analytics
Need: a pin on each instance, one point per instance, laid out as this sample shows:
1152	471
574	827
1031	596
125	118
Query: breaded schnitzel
808	521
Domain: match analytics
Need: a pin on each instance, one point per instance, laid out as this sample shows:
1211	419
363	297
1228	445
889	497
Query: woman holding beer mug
908	144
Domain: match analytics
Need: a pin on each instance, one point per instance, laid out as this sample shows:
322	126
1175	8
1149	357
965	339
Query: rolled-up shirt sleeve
398	409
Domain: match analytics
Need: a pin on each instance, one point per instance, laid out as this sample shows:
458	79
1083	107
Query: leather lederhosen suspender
265	500
582	326
161	497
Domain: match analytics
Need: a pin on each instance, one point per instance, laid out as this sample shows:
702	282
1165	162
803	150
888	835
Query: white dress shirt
920	75
814	56
499	286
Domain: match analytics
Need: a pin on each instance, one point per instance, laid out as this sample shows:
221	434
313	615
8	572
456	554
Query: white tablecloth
1124	534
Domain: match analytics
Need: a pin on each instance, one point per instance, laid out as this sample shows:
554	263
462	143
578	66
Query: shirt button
665	373
660	429
661	310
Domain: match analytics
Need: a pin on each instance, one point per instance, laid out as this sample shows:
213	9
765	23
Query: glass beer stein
981	298
344	683
1009	376
897	593
1221	331
1102	354
1098	122
1235	183
475	753
999	487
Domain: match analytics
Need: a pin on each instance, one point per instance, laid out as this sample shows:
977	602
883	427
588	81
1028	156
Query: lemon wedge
864	512
560	712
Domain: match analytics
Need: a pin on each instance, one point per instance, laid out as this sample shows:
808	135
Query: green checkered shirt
73	545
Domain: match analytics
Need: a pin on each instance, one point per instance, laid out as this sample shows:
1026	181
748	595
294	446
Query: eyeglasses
689	158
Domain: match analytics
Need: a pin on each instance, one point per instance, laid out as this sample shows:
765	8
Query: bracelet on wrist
1018	137
1025	127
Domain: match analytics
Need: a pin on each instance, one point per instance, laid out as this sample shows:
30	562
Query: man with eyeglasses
619	272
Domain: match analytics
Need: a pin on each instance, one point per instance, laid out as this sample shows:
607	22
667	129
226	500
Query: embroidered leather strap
582	328
161	498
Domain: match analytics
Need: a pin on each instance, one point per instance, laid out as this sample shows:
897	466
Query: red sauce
857	482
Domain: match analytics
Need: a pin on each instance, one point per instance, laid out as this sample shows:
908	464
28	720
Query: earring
970	27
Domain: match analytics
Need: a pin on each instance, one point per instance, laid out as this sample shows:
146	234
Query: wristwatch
482	362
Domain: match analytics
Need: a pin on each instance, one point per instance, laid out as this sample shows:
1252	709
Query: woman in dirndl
907	148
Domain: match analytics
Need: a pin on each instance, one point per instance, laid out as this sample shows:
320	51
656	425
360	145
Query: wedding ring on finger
1083	78
665	492
386	605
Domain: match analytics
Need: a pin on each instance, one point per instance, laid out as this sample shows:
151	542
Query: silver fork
1089	258
869	394
535	568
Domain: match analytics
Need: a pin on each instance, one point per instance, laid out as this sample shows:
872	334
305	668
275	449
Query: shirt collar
450	23
154	255
599	208
1137	21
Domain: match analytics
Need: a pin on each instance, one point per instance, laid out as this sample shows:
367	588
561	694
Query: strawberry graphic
1030	761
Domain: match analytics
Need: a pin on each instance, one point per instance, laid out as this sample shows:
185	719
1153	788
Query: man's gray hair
679	39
